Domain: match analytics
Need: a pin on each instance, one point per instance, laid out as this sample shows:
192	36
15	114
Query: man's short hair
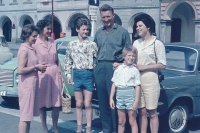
106	7
82	21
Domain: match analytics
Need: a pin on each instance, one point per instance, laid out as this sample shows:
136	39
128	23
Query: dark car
180	90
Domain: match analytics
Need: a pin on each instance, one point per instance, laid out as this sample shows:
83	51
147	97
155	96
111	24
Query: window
180	58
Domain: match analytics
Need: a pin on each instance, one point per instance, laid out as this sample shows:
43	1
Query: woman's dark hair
41	24
148	21
27	30
82	21
106	7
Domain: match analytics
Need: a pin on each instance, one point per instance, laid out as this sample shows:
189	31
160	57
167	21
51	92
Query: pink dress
50	81
28	83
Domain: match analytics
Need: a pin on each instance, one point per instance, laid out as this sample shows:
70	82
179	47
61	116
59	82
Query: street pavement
9	118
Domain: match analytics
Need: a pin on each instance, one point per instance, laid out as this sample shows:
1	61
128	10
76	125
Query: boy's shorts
125	97
83	79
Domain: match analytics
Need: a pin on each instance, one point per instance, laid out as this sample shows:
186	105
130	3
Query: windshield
3	42
180	58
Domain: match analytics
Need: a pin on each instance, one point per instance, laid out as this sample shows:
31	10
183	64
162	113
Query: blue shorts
83	79
125	97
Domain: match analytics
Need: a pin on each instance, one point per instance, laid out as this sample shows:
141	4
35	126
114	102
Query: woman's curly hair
27	30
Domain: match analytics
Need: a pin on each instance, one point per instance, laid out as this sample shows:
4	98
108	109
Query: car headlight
17	78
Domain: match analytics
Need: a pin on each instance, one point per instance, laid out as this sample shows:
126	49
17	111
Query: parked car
180	89
5	54
63	42
9	72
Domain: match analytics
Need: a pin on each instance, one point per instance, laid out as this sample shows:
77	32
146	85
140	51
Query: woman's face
46	31
83	31
141	29
32	38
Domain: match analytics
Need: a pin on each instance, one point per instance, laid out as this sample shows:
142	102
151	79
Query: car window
180	58
172	59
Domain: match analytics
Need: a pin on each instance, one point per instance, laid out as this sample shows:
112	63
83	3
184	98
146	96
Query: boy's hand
135	106
69	80
112	104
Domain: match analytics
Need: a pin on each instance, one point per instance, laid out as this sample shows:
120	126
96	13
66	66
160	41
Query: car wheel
176	119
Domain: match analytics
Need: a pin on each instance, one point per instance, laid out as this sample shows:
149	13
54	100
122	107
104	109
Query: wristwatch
35	69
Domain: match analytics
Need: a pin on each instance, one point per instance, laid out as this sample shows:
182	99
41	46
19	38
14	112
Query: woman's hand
41	67
112	104
69	80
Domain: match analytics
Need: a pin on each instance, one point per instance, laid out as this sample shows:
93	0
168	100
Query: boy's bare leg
132	121
88	108
121	120
79	113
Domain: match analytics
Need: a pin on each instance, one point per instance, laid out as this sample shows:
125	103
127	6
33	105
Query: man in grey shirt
110	39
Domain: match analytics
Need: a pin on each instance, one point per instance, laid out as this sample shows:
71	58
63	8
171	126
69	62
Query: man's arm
126	39
68	64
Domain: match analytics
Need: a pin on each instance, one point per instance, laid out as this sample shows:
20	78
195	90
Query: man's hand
115	65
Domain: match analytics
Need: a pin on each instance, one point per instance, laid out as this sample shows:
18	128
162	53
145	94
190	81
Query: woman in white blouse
151	58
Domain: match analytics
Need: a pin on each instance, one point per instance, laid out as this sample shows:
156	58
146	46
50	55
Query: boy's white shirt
125	76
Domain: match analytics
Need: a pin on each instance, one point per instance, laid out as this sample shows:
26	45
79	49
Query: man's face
107	18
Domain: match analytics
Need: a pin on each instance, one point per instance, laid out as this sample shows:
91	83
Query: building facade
14	14
180	21
176	20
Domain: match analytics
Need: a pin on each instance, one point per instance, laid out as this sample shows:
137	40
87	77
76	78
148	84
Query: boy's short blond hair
130	49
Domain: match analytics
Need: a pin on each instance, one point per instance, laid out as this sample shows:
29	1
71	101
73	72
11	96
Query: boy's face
129	58
83	31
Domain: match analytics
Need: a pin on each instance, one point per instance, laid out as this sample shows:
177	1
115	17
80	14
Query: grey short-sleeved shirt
110	44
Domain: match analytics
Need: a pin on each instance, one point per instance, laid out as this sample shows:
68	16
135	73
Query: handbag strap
64	88
155	51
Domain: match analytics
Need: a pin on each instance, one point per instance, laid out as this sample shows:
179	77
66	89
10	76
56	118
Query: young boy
126	84
80	55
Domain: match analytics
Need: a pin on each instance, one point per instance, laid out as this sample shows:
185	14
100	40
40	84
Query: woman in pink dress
50	82
28	78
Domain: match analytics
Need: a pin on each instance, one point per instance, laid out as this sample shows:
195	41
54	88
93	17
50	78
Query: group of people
124	74
40	78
